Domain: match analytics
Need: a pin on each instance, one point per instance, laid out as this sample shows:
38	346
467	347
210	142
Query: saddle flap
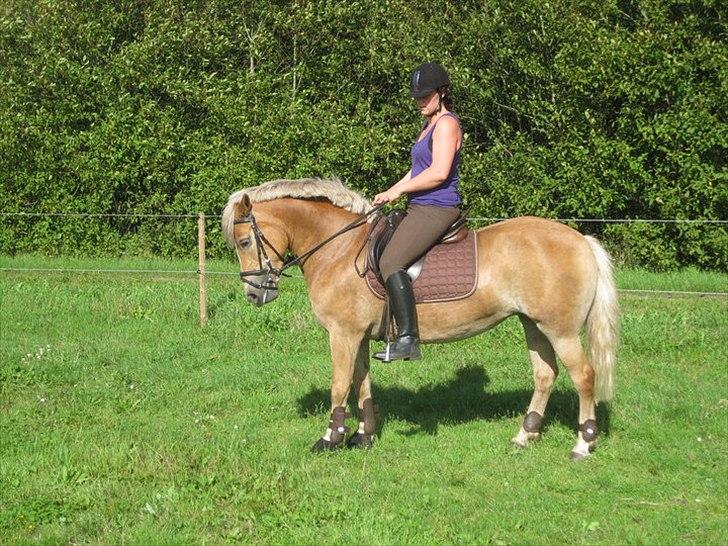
381	233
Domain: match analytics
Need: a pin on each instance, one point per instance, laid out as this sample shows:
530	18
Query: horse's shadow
463	399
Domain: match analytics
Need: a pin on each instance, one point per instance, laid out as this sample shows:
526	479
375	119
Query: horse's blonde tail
603	324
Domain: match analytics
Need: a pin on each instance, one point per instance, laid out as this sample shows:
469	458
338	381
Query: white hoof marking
581	449
523	438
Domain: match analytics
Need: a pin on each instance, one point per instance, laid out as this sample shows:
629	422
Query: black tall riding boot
402	301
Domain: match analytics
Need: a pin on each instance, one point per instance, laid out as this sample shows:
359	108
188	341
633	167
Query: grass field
123	421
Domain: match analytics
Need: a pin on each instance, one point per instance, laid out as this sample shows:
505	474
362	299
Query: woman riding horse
433	199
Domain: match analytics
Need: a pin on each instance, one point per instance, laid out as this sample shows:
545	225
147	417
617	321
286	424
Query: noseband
265	265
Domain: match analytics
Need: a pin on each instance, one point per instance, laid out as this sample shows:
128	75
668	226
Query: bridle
272	273
265	265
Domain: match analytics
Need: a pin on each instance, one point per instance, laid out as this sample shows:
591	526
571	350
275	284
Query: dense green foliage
592	108
127	423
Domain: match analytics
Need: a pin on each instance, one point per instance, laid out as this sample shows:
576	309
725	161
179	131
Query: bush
592	109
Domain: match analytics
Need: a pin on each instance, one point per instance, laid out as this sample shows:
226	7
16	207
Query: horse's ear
243	207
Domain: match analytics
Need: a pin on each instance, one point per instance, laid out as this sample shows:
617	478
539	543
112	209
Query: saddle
448	271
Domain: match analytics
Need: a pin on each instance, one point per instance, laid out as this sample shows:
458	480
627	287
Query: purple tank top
444	195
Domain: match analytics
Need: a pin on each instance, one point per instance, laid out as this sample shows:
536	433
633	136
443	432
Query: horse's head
260	244
261	237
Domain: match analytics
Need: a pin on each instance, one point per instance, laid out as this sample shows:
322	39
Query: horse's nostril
252	298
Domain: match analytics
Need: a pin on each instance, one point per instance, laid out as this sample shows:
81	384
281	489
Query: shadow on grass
460	400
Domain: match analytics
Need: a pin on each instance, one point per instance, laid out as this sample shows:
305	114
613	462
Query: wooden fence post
201	269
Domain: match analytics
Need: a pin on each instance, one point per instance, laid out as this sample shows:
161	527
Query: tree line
586	109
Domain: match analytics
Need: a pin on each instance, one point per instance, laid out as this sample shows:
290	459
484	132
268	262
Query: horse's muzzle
261	290
262	297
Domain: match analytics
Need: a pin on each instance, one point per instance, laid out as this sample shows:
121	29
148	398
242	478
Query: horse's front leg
345	348
368	412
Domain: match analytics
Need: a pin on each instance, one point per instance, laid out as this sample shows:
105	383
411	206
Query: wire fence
665	293
617	220
101	215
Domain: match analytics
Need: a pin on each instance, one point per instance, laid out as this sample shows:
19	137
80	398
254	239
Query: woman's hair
445	96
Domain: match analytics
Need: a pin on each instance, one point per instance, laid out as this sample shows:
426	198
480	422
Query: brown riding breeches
418	232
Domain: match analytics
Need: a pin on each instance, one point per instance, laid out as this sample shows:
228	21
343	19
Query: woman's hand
388	196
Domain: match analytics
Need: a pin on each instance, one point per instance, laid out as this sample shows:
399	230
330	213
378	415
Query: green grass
689	279
135	425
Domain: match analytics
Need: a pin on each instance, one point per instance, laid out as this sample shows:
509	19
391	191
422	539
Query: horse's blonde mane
330	189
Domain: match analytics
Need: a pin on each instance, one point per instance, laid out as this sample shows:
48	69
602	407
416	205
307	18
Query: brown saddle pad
449	273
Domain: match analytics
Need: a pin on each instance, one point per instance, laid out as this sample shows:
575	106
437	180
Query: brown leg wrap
589	430
369	416
532	422
337	425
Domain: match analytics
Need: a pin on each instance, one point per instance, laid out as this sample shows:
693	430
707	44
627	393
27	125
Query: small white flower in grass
131	386
700	439
42	399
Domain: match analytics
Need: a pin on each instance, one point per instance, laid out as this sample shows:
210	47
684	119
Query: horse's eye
244	243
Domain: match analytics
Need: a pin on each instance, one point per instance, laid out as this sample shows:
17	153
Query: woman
433	199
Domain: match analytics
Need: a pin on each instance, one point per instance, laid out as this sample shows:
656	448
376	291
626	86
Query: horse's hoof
523	439
519	444
579	456
360	441
324	445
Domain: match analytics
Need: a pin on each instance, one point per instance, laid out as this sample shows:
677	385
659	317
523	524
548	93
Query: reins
274	273
355	224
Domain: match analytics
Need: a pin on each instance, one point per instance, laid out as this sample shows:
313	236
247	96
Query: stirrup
395	351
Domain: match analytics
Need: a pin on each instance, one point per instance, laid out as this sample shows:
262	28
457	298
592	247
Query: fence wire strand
233	273
617	220
101	215
150	271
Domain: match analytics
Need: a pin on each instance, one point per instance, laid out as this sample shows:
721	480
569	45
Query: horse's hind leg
544	374
581	371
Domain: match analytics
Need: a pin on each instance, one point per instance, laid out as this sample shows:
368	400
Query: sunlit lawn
122	420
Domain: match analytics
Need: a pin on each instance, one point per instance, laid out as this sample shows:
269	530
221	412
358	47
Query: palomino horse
556	280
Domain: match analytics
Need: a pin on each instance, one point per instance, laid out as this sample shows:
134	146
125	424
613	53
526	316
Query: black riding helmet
426	78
